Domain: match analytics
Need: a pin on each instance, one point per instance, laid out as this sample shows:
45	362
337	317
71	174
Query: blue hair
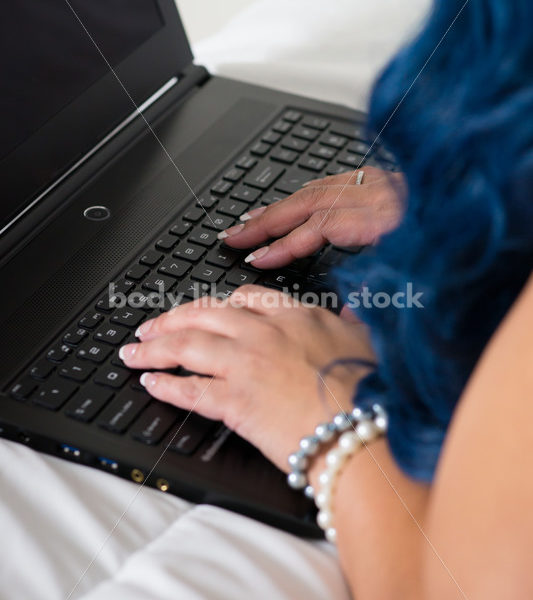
463	136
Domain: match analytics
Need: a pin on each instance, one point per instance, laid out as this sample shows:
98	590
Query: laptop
120	161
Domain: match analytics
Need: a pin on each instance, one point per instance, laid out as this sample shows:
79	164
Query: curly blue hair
463	136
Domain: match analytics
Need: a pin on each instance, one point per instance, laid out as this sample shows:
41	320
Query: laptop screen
58	95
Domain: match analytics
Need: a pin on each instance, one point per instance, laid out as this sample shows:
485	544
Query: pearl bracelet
367	429
309	446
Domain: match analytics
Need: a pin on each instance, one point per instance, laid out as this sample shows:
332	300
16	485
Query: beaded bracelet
367	429
309	446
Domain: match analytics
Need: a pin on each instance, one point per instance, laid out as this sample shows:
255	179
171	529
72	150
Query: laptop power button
97	213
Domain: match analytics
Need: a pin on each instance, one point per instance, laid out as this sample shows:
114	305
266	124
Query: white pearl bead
323	519
366	430
324	478
348	441
333	457
356	414
331	535
381	423
322	499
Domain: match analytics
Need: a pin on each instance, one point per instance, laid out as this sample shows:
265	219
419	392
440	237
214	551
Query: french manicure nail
147	379
231	231
127	351
253	213
259	253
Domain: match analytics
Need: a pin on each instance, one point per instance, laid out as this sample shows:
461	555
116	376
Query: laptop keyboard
81	373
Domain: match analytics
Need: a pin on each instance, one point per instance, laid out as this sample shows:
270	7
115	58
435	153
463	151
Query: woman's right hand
333	209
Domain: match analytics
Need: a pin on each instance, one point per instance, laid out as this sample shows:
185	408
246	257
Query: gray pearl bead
298	461
309	492
296	480
309	445
323	432
342	422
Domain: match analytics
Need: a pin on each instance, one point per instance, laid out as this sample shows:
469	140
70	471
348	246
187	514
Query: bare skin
264	357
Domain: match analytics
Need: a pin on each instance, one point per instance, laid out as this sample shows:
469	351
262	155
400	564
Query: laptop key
207	274
114	377
246	194
138	272
54	393
246	162
180	228
222	257
263	175
159	283
88	402
260	149
130	317
41	369
312	163
23	388
292	181
166	242
190	431
74	336
76	370
325	152
358	147
335	141
218	222
350	160
151	258
58	353
337	169
204	237
154	423
111	334
271	137
221	187
188	251
241	277
174	267
282	126
193	214
233	175
292	115
315	122
305	133
123	410
283	155
269	199
232	208
206	200
94	352
354	132
292	143
90	320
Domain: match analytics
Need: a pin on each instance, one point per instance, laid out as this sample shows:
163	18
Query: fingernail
231	231
127	351
253	213
148	380
143	329
259	253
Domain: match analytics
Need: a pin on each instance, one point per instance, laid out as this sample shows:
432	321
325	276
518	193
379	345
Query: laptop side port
70	450
107	463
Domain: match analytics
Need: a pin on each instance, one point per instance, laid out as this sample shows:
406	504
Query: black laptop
120	161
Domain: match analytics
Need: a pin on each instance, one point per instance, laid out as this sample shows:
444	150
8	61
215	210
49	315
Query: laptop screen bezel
33	166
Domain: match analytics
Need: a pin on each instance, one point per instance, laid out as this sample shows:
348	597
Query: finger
200	351
262	300
207	313
277	220
348	315
200	394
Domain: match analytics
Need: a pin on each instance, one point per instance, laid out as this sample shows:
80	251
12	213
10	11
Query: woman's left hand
264	351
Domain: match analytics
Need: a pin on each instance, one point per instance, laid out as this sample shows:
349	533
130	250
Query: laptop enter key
153	423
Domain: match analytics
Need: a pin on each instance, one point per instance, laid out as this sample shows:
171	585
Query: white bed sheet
63	525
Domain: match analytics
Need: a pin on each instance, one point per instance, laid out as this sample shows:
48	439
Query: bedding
68	531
